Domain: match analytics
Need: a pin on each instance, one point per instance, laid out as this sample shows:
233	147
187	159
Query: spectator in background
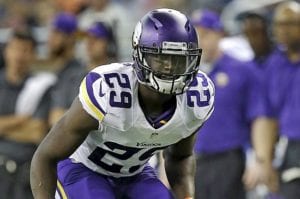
283	99
220	145
101	45
69	70
255	27
23	115
121	20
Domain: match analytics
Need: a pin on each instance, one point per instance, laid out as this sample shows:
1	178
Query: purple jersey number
119	152
120	99
201	97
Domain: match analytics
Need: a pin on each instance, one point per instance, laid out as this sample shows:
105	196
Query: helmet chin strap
176	86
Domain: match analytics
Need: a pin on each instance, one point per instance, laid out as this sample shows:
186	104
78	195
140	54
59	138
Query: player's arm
180	167
62	140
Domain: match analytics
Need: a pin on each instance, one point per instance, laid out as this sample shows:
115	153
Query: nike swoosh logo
101	94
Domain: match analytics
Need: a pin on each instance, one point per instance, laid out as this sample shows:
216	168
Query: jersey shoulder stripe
201	96
99	85
88	98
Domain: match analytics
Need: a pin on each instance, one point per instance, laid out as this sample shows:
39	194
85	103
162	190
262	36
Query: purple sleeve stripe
90	79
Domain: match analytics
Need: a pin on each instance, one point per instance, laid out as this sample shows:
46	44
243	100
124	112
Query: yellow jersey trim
88	102
61	190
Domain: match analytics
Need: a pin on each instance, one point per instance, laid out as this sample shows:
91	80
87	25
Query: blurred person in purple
24	112
69	71
101	45
255	26
283	97
239	105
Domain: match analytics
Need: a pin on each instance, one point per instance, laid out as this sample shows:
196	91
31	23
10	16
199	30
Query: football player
125	113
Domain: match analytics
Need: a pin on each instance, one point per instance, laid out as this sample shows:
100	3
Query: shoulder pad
92	95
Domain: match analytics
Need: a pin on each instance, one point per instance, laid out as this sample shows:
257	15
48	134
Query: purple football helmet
165	49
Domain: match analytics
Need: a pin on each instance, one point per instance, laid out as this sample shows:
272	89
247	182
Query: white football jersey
125	139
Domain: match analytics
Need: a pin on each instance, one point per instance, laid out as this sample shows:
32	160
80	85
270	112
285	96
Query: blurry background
70	45
121	14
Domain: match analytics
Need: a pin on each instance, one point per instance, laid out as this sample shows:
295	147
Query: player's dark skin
72	129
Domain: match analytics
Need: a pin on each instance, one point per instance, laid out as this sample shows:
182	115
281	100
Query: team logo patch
221	79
